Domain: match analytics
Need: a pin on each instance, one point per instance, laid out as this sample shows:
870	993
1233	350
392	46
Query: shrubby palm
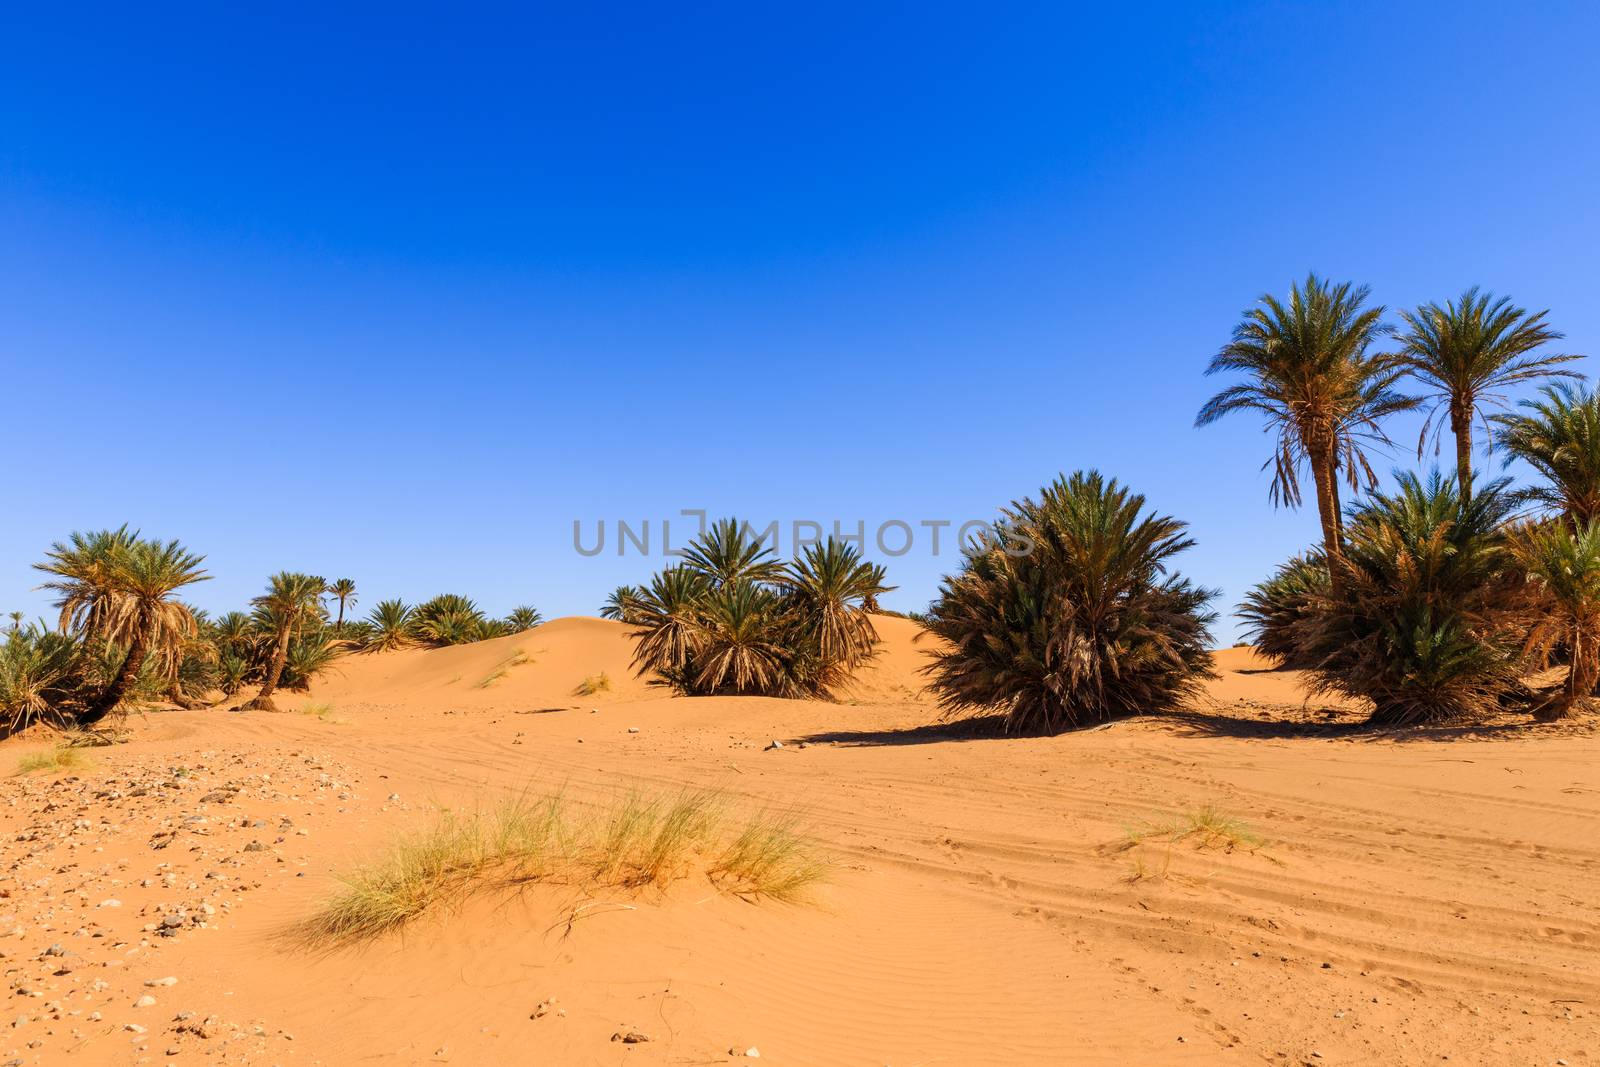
1558	435
1276	610
622	604
1565	565
392	624
1324	394
1427	620
732	619
1086	626
449	619
1467	353
523	617
38	676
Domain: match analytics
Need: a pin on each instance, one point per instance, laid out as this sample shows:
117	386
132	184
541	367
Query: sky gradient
397	294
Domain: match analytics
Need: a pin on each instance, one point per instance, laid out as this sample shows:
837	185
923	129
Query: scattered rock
630	1037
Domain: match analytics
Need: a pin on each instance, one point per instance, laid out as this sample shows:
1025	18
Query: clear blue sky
397	294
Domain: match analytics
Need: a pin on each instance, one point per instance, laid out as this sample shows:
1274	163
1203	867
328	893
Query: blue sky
399	293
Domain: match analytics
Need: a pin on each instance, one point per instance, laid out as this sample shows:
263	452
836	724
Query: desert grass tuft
634	842
64	757
1206	826
503	668
770	858
595	683
325	712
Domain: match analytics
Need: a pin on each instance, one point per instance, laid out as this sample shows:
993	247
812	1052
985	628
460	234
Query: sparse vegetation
60	758
503	668
636	842
595	683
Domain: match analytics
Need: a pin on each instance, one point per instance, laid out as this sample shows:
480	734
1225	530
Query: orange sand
1420	896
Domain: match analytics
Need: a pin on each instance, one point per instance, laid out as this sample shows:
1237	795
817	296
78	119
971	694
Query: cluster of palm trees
731	619
124	635
1440	598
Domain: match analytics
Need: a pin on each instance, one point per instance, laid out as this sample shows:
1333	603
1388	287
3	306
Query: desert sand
1420	897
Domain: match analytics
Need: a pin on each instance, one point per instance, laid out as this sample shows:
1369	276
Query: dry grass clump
63	757
1205	827
595	683
635	842
503	668
324	712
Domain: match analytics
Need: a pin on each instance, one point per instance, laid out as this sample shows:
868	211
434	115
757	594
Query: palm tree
343	590
727	554
1428	618
1566	565
1559	437
523	617
115	586
669	624
742	650
1087	626
828	590
1467	353
1322	391
622	604
291	600
392	626
450	619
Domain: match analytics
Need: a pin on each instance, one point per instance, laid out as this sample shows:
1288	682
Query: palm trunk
280	652
126	675
1323	473
340	624
1461	426
1581	678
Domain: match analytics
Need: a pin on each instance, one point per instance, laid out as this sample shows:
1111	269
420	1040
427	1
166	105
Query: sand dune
1416	896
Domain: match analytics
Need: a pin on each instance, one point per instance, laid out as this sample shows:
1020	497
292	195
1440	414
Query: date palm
116	587
523	617
1088	625
291	602
344	591
741	645
1466	354
668	617
622	604
1558	435
1565	563
392	626
827	592
1311	372
729	554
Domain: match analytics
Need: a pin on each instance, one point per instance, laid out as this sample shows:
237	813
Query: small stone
111	902
630	1037
752	1053
169	980
133	1028
774	744
633	729
146	1001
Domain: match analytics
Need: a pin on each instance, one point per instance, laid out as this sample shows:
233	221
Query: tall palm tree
116	587
669	610
1323	392
1558	435
1566	565
291	600
1467	353
343	590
